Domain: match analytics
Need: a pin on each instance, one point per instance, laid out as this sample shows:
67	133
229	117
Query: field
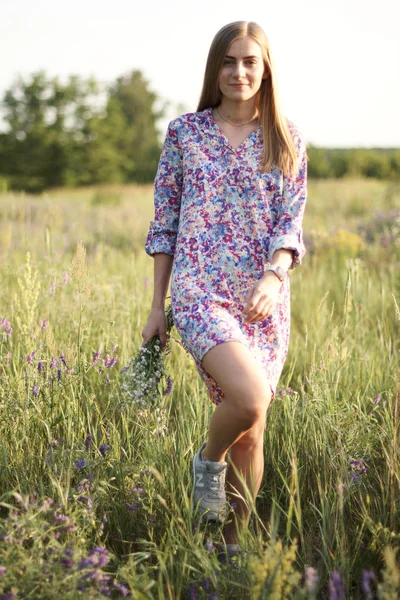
94	492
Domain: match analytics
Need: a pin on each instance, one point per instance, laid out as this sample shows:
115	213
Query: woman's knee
241	379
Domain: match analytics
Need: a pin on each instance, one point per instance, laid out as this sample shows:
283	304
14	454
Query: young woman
230	192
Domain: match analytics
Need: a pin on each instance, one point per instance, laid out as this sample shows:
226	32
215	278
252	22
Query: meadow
94	492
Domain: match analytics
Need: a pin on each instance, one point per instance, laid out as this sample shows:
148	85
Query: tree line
82	133
79	132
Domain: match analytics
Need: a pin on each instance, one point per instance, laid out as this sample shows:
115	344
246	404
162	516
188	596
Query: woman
230	192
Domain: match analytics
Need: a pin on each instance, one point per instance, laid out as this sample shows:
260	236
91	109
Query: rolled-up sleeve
163	229
288	231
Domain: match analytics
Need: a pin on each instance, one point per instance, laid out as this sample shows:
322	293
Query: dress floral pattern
222	220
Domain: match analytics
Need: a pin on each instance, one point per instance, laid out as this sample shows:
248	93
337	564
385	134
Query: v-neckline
221	134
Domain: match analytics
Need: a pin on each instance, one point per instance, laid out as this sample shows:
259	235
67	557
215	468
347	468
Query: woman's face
242	71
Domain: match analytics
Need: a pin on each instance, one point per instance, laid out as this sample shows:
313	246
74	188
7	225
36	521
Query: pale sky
338	62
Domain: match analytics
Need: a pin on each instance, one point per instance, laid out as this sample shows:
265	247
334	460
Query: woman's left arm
288	231
286	248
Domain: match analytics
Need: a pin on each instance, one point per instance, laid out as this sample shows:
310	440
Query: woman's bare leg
238	423
247	455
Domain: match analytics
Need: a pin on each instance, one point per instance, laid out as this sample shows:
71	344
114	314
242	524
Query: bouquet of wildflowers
144	379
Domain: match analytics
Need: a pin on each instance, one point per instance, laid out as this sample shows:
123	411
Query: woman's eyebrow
245	57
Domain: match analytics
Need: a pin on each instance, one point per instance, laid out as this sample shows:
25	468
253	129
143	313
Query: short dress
222	220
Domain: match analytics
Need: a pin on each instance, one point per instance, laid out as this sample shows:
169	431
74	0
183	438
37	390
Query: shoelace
216	482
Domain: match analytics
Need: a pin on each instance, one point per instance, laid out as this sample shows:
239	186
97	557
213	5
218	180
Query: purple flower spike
80	464
8	596
31	356
35	390
96	358
58	375
40	366
103	449
110	362
64	362
53	363
7	327
311	579
132	507
168	389
336	587
88	441
378	399
192	591
367	578
122	589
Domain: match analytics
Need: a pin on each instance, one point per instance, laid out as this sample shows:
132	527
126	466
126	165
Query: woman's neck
238	112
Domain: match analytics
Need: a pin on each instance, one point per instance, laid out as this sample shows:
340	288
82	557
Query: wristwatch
279	272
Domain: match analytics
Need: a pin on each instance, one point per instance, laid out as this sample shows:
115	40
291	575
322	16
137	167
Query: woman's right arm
161	238
156	322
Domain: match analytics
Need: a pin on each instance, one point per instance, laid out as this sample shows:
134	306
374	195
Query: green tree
139	141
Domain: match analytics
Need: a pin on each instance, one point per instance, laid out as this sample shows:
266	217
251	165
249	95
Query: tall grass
95	495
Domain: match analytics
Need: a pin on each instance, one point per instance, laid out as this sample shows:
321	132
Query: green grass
338	402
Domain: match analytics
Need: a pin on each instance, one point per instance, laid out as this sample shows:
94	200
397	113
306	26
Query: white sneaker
209	496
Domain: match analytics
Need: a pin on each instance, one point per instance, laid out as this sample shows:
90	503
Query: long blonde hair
279	147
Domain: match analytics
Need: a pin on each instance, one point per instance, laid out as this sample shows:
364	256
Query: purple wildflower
40	366
85	563
96	358
192	591
110	362
2	571
100	556
64	362
378	399
7	326
358	466
53	363
88	441
168	389
103	449
35	390
132	507
105	591
44	324
8	596
311	579
367	578
122	589
58	375
62	518
31	356
80	464
336	587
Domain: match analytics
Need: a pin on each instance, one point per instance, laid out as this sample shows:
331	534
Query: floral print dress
222	220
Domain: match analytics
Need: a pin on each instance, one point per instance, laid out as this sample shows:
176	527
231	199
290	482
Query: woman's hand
156	324
262	298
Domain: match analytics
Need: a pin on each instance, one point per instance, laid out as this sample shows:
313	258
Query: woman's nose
238	69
